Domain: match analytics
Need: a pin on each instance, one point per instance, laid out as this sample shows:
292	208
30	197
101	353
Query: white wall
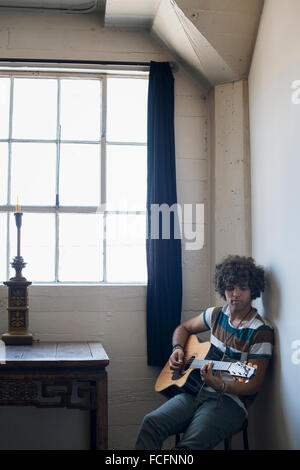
113	315
275	150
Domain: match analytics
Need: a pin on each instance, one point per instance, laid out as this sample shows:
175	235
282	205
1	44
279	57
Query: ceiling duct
79	6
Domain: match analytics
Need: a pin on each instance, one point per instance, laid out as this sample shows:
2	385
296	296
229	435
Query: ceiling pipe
92	6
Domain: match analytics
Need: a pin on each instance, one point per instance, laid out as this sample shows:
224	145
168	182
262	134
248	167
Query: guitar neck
236	369
217	365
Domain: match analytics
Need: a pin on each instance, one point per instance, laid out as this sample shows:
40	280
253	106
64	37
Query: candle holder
18	309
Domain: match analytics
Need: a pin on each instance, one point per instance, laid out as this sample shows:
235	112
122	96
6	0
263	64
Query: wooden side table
54	375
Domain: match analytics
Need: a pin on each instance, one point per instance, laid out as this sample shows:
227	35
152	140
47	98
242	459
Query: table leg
93	429
101	421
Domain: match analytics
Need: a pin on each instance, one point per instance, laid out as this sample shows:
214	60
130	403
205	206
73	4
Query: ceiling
213	39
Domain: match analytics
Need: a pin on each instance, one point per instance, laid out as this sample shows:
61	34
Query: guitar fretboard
237	369
217	365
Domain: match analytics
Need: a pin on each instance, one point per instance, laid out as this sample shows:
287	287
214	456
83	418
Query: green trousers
205	420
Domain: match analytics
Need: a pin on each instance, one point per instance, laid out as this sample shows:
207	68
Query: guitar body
170	382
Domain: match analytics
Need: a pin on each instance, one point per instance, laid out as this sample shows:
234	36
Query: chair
244	430
228	439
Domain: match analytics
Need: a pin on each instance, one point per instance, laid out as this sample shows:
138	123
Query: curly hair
239	270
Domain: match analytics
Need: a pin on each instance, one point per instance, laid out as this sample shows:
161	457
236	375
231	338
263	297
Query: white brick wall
232	170
113	315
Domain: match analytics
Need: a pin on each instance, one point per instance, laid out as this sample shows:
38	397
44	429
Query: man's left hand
215	381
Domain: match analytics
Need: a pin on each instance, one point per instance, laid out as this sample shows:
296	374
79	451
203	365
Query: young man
238	332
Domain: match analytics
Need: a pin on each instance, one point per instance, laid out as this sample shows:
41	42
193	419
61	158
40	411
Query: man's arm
192	326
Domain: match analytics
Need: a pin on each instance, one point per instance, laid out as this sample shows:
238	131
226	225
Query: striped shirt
253	339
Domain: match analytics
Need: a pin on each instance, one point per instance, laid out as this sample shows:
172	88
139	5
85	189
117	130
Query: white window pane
80	247
35	108
79	182
33	173
127	109
80	109
4	107
3	225
126	177
3	172
37	246
126	248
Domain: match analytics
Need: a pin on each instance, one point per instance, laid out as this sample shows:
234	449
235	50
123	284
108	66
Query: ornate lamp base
18	339
17	312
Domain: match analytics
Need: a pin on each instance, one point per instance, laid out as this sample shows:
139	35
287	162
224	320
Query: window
73	151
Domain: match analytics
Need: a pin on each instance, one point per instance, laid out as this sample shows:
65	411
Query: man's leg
170	418
210	425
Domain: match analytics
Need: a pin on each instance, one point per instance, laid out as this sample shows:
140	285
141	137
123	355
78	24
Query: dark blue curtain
164	290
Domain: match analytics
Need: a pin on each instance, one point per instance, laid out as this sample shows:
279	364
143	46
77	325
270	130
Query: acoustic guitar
188	378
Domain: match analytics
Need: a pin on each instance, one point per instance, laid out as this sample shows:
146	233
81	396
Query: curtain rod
174	66
69	61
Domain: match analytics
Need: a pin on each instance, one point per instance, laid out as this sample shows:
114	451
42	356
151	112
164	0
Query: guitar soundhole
177	374
189	362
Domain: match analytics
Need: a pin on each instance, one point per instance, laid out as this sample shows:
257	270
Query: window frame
9	208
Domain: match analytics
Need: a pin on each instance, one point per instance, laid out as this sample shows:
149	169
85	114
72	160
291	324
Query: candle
18	216
18	207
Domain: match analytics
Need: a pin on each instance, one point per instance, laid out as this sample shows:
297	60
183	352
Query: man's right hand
176	359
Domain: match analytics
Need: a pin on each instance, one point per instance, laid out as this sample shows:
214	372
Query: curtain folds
164	289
